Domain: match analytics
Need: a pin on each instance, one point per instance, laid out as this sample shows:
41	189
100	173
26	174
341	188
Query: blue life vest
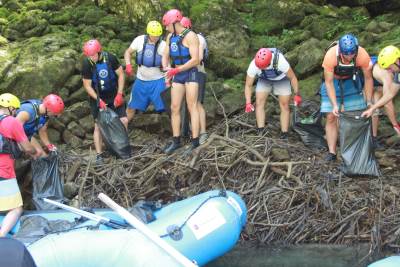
374	60
148	56
177	51
35	121
268	74
104	78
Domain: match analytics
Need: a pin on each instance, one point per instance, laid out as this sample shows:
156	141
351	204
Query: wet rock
87	123
80	109
54	135
76	129
70	139
70	190
73	83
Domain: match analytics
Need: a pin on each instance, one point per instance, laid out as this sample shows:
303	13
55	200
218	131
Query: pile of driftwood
292	195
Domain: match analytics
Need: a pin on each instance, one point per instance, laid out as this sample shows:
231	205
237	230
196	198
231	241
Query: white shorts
281	87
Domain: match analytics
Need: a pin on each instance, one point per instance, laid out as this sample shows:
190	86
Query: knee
175	109
284	106
331	119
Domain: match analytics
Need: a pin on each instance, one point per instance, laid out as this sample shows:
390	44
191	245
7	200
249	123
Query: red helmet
186	22
54	104
172	16
91	47
263	58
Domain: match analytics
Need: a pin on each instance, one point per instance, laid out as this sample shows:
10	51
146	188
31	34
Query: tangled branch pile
292	194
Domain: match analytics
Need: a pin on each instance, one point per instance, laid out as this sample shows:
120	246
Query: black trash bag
144	210
13	253
356	145
46	181
34	227
307	123
114	133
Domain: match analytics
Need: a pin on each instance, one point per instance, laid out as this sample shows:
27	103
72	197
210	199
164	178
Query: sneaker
99	160
169	149
330	157
203	138
284	135
397	129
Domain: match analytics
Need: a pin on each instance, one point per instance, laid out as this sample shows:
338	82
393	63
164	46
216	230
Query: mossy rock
3	41
93	15
310	86
46	5
4	12
13	5
61	17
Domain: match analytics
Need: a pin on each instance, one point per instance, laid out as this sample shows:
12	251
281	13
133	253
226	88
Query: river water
296	256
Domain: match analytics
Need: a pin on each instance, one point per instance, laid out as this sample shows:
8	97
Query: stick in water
142	228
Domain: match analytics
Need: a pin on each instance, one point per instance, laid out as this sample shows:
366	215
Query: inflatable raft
202	228
393	261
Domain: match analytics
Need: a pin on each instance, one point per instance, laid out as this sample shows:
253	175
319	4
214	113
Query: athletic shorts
353	97
145	92
10	196
280	87
187	76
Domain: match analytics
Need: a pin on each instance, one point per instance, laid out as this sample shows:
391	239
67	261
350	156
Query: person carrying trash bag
12	138
34	114
103	79
341	89
307	123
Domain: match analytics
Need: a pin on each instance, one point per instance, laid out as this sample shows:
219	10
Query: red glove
297	100
249	108
128	69
102	104
51	147
118	100
172	72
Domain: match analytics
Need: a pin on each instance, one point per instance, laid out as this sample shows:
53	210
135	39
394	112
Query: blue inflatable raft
393	261
202	228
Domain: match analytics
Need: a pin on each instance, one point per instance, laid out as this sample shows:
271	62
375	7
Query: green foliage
4	12
45	5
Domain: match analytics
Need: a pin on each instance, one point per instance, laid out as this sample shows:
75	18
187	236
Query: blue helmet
348	44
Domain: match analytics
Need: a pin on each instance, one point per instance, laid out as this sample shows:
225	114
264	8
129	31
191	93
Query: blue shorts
353	97
144	92
187	76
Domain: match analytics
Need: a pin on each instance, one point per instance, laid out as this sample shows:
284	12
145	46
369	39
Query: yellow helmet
154	28
388	56
8	100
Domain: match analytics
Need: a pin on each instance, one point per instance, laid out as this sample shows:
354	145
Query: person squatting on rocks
103	77
150	82
202	77
274	75
13	138
34	114
342	87
183	50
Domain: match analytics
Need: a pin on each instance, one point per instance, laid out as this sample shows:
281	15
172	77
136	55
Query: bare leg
202	114
192	90
98	140
130	113
10	220
261	99
331	129
177	93
285	112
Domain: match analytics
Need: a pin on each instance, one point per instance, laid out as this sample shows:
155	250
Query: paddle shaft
100	219
142	228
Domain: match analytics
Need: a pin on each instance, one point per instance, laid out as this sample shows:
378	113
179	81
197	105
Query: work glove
51	147
128	69
118	100
249	108
297	100
172	72
102	104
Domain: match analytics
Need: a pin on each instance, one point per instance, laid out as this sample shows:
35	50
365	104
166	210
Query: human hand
102	104
172	72
367	113
51	147
335	110
297	100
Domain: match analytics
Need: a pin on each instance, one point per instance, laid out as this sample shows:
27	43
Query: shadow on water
296	256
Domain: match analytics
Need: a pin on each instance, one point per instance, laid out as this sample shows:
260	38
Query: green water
298	256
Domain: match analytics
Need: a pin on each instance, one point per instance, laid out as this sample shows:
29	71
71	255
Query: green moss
46	5
4	12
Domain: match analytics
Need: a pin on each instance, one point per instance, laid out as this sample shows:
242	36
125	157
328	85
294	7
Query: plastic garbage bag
356	145
13	253
46	181
307	124
114	133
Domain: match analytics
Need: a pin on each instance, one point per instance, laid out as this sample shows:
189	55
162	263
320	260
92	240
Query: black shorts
121	110
201	78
